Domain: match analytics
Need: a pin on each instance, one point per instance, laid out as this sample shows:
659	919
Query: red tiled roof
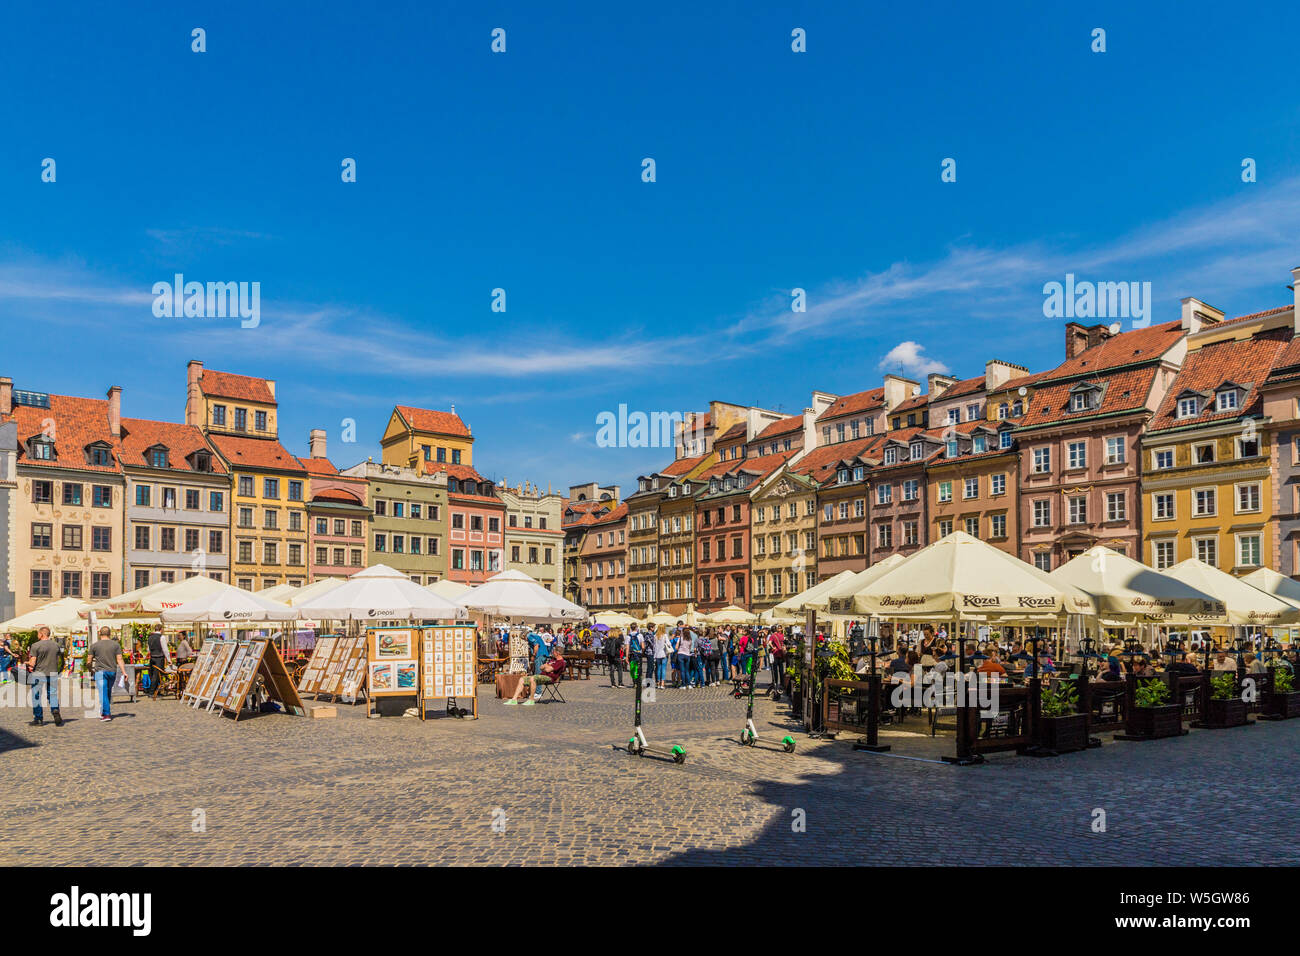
964	387
822	461
433	422
618	514
737	430
1246	362
318	466
872	398
682	466
759	465
141	434
460	472
77	422
337	494
916	401
256	453
244	388
792	424
1127	348
1253	315
1124	391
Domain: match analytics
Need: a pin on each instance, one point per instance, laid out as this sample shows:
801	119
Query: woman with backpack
662	653
613	647
776	654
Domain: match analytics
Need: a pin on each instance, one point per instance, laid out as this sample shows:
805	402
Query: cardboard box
324	712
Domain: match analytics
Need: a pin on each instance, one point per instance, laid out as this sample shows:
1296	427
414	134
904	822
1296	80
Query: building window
1207	550
891	456
295	490
41	584
1115	450
1187	408
241	419
218	414
143	496
1004	439
143	537
1077	454
216	542
998	485
1204	502
271	488
72	584
1248	550
945	527
1203	454
246	486
1162	506
1164	458
1079	510
997	526
381	543
1042	513
884	536
1043	560
42	536
72	534
1227	400
1247	447
71	493
1116	506
973	527
884	494
1248	498
1042	460
101	538
971	488
193	500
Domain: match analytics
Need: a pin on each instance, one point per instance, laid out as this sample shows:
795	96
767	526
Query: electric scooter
749	736
636	745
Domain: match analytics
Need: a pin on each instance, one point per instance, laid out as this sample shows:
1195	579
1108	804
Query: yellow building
1207	486
269	484
783	526
416	435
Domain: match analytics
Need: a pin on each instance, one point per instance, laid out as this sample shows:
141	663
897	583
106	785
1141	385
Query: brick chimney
1197	315
115	411
6	395
1076	339
898	390
193	393
316	442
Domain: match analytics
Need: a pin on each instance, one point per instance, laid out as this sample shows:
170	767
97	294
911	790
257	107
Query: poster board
354	673
448	664
519	660
205	686
314	673
201	666
260	657
392	665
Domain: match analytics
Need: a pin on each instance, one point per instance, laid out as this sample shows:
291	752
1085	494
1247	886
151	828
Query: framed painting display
448	665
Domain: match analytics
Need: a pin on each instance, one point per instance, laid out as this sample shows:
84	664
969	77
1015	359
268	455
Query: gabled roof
318	466
1128	348
916	401
433	422
965	387
78	423
869	400
338	496
1207	369
1126	391
618	514
823	460
1254	315
736	431
682	466
782	427
244	388
256	453
181	441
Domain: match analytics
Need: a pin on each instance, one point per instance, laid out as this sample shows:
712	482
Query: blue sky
522	171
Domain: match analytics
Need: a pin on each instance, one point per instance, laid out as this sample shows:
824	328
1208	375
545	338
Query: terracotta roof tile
1254	315
256	453
965	387
618	514
1127	348
339	495
792	424
869	400
244	388
318	466
141	434
822	461
1245	362
916	401
1124	391
682	466
736	431
437	423
77	423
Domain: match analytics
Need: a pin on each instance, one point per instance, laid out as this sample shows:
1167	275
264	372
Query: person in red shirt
551	671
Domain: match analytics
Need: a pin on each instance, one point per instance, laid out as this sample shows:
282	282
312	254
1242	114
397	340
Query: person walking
184	650
106	654
776	653
685	653
158	657
44	662
661	656
613	647
8	661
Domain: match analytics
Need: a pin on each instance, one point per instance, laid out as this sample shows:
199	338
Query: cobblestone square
275	789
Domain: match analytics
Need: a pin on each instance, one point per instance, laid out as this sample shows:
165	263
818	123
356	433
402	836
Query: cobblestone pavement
351	791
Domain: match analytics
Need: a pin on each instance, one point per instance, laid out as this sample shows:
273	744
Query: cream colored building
534	542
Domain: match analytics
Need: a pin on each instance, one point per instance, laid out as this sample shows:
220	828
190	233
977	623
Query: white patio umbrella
662	617
1278	585
451	590
775	615
814	597
231	605
281	592
960	576
1124	590
378	594
153	600
731	614
614	618
59	616
309	591
514	594
839	599
1245	603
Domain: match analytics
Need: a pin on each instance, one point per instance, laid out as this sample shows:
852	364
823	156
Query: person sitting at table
1111	671
992	664
1254	665
551	671
1184	667
1143	668
899	664
1222	662
1044	664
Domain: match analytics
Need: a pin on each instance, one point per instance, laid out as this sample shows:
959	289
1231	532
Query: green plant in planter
1282	680
1059	701
1223	687
1151	693
836	667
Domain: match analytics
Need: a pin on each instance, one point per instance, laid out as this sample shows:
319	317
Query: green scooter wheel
632	747
788	744
679	755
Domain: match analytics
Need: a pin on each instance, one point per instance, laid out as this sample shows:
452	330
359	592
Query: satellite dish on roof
916	389
1114	328
1023	391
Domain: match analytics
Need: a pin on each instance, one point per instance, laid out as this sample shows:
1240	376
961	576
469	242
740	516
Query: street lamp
871	742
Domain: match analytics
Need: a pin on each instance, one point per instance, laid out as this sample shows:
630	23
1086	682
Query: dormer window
843	476
980	443
469	487
916	451
857	472
1004	440
686	487
1227	401
952	450
453	485
645	485
713	484
99	455
672	492
1079	402
891	456
1188	407
157	457
1017	409
1003	410
41	448
202	461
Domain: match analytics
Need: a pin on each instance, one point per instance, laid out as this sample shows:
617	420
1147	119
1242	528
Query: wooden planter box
796	703
1156	722
1064	734
1224	713
1282	706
